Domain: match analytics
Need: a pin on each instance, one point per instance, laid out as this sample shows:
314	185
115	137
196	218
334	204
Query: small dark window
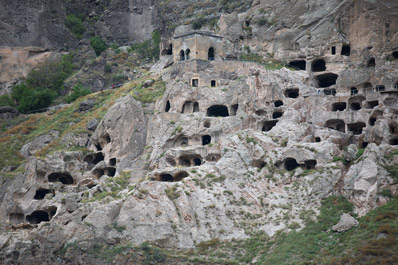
234	109
371	63
195	107
213	83
393	141
317	139
206	124
395	54
167	108
333	50
372	104
330	92
107	138
278	103
41	193
292	92
354	91
195	82
112	161
380	88
346	50
339	106
182	55
187	52
206	139
98	146
372	121
197	161
277	114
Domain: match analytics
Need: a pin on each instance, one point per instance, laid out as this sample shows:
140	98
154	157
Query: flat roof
204	33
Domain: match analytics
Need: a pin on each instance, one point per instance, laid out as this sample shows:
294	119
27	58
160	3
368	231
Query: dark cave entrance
64	178
217	111
318	65
298	65
326	80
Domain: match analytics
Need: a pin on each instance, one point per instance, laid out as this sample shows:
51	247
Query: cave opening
98	172
372	104
182	55
213	83
98	147
185	162
355	106
167	108
333	50
339	106
41	193
195	82
326	80
180	175
371	63
234	109
318	65
98	157
278	103
292	93
37	217
354	91
197	162
187	52
310	164
206	124
195	107
394	141
364	144
393	128
206	139
166	177
395	54
336	124
277	114
290	164
258	163
356	128
346	50
112	161
298	65
372	121
107	138
317	139
268	125
110	171
187	107
217	111
63	177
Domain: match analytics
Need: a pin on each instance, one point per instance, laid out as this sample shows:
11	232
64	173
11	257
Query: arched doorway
211	54
187	52
182	55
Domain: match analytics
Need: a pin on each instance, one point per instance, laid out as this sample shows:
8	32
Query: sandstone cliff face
246	150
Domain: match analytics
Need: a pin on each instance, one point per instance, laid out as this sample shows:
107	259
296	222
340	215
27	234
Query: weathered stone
8	113
87	104
346	223
38	143
92	125
148	83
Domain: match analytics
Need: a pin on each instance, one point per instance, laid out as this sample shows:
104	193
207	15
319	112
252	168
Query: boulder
8	113
346	223
87	104
92	125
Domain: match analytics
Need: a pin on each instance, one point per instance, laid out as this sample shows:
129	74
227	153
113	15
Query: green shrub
98	44
75	25
148	48
42	85
77	92
6	100
199	22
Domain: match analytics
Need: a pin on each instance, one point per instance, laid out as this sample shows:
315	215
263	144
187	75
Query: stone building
194	45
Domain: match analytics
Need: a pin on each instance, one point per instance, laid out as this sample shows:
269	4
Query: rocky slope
161	161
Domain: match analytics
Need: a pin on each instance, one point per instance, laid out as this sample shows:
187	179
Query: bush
42	85
98	44
28	98
75	25
77	92
6	100
198	23
148	48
